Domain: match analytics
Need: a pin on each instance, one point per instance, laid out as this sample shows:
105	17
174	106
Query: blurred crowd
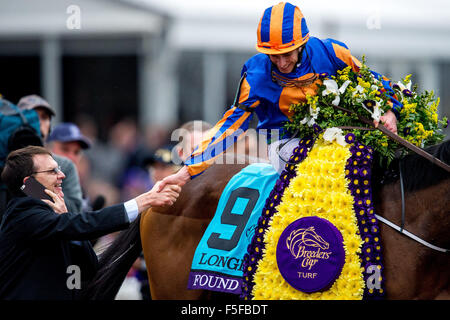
127	164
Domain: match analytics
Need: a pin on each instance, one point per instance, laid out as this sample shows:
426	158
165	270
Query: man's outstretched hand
154	198
180	179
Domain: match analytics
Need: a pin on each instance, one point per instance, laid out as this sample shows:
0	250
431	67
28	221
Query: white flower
311	122
340	139
404	87
332	88
336	101
358	89
334	133
377	111
330	133
344	86
362	96
314	112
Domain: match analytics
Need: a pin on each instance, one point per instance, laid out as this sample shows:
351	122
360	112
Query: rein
411	235
399	140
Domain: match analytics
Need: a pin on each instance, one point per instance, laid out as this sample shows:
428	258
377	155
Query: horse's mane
114	264
418	172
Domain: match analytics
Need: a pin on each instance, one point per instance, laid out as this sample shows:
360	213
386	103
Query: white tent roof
402	27
24	18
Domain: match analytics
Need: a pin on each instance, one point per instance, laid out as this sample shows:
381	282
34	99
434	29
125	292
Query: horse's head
305	237
312	239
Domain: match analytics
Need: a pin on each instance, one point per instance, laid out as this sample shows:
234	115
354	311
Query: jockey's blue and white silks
270	100
218	259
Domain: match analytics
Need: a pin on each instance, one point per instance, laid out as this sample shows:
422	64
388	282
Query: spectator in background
114	163
100	165
162	163
66	140
192	133
126	137
105	160
71	184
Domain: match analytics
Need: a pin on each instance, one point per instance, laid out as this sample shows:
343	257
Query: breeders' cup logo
305	237
300	240
310	254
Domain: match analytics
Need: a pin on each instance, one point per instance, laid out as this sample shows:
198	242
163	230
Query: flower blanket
331	182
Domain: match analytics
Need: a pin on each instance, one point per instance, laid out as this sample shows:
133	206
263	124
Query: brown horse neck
413	271
426	210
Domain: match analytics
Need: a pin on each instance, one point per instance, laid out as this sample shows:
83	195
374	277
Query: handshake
158	198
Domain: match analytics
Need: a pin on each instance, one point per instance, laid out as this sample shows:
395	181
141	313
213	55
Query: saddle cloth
218	259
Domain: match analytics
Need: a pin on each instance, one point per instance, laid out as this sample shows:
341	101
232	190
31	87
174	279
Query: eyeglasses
53	171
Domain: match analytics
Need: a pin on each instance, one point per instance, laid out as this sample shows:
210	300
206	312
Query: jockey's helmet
282	28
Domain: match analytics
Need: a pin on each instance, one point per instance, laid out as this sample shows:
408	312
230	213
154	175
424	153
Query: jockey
283	73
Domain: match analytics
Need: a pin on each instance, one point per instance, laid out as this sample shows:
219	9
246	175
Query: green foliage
365	95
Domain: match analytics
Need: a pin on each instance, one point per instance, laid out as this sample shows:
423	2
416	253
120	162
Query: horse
168	237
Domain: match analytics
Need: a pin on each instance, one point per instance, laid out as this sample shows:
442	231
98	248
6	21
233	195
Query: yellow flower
407	78
409	108
343	77
363	83
434	117
344	71
316	169
340	154
419	127
354	244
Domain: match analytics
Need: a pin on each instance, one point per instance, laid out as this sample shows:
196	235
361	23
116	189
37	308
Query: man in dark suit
35	255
